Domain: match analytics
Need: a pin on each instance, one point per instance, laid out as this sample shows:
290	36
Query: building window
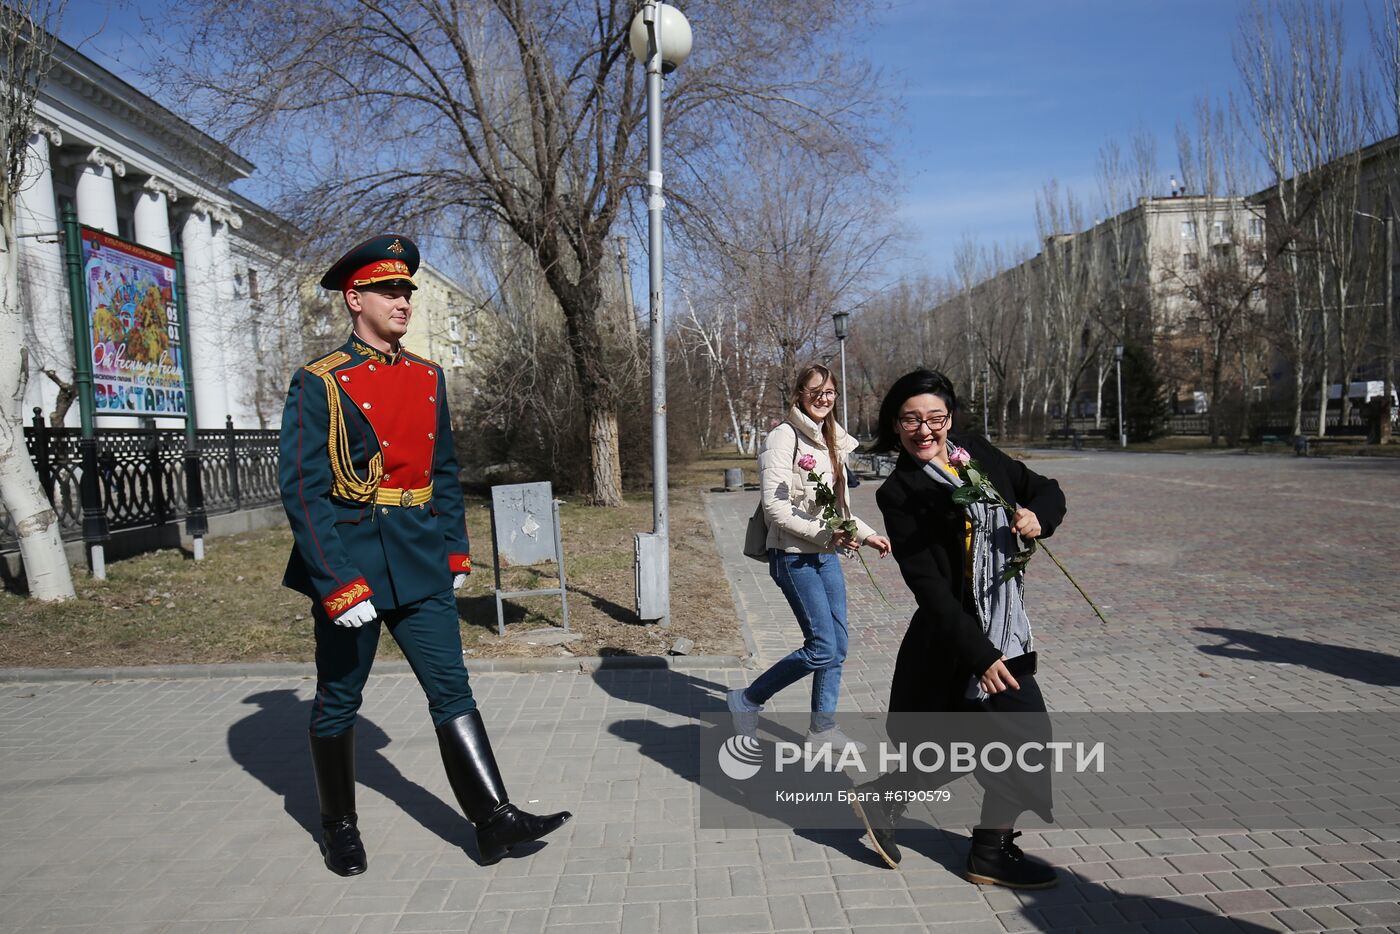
252	284
1256	293
1190	262
455	328
1255	259
1188	230
1256	228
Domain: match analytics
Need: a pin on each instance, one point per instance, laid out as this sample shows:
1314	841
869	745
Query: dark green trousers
427	634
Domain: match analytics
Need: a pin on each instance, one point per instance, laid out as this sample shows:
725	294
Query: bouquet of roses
977	488
831	516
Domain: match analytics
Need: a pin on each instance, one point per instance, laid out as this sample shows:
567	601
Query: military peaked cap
389	259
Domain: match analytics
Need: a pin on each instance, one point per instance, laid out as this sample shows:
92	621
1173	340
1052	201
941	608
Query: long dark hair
804	376
917	383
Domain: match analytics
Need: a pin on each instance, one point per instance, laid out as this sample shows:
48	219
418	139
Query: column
42	285
97	198
151	215
239	356
206	354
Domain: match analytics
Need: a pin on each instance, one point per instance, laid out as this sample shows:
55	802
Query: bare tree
1219	292
1121	268
1068	291
526	111
1385	114
780	253
907	326
26	49
1290	61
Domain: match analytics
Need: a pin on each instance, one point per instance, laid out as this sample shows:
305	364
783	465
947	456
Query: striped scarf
999	605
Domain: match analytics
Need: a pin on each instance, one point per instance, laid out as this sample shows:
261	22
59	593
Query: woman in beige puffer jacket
803	553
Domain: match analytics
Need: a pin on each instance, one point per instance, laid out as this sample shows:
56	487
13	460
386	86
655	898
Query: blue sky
999	96
1002	96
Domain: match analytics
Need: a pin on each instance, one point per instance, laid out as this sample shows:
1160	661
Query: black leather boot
476	781
995	859
880	818
333	760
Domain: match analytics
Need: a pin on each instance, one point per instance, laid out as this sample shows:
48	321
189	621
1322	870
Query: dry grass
163	608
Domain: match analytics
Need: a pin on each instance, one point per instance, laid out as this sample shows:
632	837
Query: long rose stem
872	578
1087	599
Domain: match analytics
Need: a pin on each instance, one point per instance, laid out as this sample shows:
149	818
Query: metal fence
141	474
1265	424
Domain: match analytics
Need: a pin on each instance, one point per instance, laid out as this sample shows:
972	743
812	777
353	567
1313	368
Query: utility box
651	576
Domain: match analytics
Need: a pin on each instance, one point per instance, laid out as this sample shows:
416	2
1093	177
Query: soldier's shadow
271	745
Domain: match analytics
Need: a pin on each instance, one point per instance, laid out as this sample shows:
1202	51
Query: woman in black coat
952	659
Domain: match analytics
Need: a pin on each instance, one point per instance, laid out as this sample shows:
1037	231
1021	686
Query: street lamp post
841	321
660	39
1122	429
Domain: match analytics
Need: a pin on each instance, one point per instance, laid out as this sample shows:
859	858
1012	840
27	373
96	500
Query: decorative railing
141	474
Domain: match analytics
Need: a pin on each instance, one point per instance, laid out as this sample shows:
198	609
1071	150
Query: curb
578	663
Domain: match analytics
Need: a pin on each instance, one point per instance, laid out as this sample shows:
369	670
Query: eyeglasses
821	395
934	422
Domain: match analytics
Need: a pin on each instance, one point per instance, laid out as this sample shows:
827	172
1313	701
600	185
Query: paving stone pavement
1230	582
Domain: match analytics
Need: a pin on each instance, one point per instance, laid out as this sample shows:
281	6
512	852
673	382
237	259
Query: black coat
944	644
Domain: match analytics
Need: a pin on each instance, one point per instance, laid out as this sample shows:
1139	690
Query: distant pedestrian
968	628
369	482
803	554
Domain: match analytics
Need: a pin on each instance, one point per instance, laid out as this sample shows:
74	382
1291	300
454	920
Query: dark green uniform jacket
369	481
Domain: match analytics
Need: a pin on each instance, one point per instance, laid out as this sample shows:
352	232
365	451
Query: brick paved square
187	805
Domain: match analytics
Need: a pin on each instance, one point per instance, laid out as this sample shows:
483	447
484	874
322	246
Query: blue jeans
816	590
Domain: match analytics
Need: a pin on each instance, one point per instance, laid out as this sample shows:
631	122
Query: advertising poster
138	362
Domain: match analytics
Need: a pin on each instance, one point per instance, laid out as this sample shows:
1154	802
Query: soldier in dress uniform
369	483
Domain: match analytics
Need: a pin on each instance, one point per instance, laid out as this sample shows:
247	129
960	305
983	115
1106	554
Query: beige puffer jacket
789	499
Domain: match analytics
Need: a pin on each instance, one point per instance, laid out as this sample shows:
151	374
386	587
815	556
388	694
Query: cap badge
396	248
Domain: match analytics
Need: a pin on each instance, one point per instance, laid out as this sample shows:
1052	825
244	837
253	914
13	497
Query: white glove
359	614
459	581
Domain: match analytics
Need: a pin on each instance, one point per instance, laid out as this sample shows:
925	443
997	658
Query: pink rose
959	457
806	462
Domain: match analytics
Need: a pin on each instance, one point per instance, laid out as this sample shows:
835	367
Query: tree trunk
1216	377
1323	360
1098	395
45	565
581	302
602	446
1299	343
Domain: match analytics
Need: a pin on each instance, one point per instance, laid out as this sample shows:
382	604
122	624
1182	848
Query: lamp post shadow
1343	661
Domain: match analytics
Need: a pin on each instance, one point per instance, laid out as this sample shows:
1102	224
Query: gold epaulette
327	363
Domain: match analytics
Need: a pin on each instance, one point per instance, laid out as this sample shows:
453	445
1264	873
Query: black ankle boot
879	819
476	781
333	760
995	859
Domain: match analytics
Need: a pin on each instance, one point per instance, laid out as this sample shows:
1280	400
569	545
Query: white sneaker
838	740
744	712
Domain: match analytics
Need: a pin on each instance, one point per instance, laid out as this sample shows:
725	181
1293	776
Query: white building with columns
132	168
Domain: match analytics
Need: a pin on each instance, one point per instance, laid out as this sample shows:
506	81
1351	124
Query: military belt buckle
406	499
